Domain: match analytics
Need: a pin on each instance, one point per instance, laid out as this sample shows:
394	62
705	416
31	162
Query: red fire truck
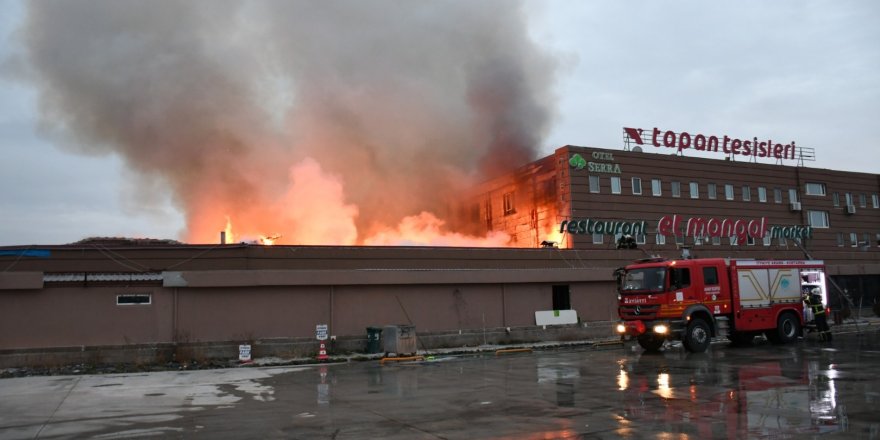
695	300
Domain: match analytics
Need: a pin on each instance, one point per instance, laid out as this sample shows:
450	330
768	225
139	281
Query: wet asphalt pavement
805	390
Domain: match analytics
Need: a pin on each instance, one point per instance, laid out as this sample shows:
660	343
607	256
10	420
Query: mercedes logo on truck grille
638	310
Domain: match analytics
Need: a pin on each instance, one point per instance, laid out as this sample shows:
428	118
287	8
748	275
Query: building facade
586	199
133	301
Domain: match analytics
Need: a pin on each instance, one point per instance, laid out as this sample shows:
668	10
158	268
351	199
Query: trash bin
400	339
374	339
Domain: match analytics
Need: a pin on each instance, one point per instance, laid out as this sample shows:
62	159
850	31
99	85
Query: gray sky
803	71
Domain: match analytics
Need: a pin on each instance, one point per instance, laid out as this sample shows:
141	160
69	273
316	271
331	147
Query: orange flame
313	210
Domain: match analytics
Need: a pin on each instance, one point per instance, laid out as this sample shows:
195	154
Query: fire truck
695	300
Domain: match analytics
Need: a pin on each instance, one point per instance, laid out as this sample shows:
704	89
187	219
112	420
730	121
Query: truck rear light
661	329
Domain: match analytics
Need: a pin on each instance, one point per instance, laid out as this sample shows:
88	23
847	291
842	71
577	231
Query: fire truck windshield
639	280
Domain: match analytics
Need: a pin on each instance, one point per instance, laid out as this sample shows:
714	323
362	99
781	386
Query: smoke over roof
326	122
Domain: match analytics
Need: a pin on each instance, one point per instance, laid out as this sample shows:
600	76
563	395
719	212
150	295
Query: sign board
754	147
321	332
555	317
680	226
244	352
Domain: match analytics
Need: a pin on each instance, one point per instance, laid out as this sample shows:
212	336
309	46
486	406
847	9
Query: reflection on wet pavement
763	391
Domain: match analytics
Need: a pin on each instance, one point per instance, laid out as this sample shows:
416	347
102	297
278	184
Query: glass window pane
637	185
655	187
814	189
615	185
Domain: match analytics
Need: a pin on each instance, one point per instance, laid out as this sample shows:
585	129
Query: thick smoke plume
327	122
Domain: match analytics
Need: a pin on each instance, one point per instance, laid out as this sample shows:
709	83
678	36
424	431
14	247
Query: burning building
150	298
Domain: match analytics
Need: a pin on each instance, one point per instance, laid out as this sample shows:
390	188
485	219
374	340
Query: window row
854	239
729	191
818	189
712	189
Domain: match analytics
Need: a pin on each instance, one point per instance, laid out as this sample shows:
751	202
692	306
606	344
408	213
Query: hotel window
814	189
867	241
661	239
641	239
818	219
777	195
747	193
728	191
836	199
750	240
676	188
695	190
863	201
637	185
792	195
767	240
679	240
509	204
597	238
711	191
840	239
734	240
655	187
716	241
782	241
594	184
762	194
615	185
878	240
854	239
848	198
875	200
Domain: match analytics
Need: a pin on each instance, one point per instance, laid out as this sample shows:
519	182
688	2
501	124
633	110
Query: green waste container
374	339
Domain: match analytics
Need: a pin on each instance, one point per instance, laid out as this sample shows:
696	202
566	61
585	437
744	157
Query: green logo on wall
577	161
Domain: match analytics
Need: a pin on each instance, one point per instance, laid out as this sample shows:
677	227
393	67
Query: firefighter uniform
814	301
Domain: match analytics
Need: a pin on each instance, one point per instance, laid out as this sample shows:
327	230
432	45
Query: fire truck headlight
661	329
621	328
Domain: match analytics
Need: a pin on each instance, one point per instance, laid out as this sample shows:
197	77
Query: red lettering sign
700	142
711	227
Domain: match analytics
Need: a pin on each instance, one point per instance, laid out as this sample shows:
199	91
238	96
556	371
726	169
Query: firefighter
813	300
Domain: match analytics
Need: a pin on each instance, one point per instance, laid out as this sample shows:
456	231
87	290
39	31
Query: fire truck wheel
697	337
787	330
650	343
